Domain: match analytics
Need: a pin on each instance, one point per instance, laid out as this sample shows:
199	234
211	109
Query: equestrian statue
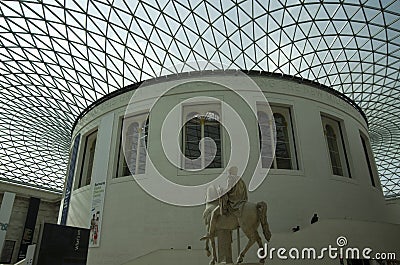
232	210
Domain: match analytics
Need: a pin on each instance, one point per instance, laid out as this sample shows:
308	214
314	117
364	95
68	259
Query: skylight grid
58	57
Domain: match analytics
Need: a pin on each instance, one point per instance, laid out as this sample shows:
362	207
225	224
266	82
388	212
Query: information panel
96	214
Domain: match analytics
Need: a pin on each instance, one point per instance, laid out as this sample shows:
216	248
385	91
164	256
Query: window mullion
271	128
202	151
138	150
183	150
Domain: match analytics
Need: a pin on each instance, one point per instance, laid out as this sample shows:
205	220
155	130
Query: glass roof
57	57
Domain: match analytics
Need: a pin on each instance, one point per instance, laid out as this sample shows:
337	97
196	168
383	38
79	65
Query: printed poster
96	213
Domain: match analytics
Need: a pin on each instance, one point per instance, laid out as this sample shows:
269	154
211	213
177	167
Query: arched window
91	160
142	147
368	157
265	138
285	154
198	125
131	147
212	129
192	136
333	150
282	151
133	161
336	148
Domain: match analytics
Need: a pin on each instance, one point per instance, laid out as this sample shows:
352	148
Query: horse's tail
262	216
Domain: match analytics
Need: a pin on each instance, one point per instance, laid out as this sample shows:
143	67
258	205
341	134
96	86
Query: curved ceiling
57	57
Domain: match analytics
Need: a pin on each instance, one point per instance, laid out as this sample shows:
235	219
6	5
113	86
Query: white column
99	177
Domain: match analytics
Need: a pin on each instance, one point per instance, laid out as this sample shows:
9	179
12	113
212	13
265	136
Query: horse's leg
262	216
214	252
260	245
208	248
252	240
207	244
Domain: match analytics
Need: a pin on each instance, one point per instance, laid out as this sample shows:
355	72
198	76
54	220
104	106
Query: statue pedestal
224	246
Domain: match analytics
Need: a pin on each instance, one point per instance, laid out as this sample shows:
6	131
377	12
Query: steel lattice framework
57	57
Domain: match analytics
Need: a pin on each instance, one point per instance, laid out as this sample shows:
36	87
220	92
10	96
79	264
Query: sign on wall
96	213
70	179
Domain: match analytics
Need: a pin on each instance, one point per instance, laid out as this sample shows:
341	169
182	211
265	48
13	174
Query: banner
29	229
70	179
5	213
96	213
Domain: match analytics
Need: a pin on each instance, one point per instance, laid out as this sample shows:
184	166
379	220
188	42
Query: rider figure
235	198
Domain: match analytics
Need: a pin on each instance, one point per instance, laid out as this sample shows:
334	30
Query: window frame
201	108
143	119
337	126
82	181
286	112
369	159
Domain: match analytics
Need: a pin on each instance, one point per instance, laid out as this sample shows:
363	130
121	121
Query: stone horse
253	214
